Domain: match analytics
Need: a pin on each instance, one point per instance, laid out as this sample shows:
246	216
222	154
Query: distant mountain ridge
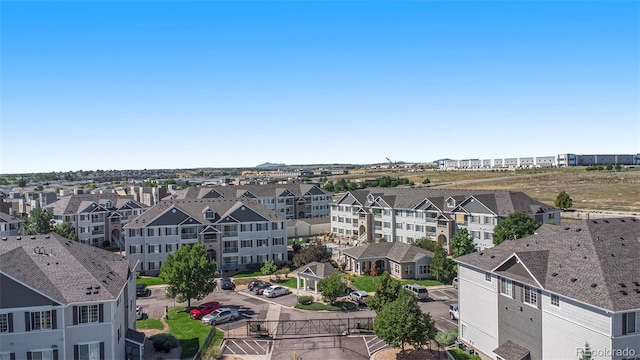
269	165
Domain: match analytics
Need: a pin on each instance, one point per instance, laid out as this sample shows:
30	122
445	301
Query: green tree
563	200
188	274
269	268
426	181
65	229
402	322
331	287
441	267
329	186
515	226
427	244
22	182
387	290
38	222
462	243
315	252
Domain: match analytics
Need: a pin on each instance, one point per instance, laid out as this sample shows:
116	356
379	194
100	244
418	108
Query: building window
151	232
530	296
475	234
169	248
488	236
246	260
40	320
89	351
408	270
278	241
555	300
42	355
88	314
399	225
246	227
154	249
246	243
506	287
262	227
410	227
209	214
463	331
262	242
423	269
487	276
631	323
4	323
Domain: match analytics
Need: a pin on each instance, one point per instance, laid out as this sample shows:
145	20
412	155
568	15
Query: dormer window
209	214
370	199
451	202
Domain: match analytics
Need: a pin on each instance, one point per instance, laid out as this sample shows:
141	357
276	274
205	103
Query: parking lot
438	306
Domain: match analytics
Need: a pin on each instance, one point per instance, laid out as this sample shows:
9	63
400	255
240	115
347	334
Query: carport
311	274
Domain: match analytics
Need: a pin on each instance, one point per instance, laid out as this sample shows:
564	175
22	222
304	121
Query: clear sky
161	84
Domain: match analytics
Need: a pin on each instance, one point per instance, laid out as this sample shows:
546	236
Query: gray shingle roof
594	261
6	218
320	270
396	251
262	191
63	269
512	351
194	208
74	203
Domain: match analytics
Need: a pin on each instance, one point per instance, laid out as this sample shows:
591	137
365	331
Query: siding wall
478	306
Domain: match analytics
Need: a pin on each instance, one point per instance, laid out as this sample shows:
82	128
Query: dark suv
141	290
227	284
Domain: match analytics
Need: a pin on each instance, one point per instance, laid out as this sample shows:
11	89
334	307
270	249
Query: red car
204	309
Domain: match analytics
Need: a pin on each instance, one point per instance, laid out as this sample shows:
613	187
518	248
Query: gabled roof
6	218
44	263
186	209
396	251
317	269
74	204
512	351
259	191
595	261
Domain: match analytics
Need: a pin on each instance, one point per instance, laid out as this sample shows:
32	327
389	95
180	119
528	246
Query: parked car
455	282
140	315
219	316
260	288
276	290
418	290
252	285
141	290
204	309
227	284
454	312
359	297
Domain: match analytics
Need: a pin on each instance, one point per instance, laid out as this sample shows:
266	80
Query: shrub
334	264
106	243
305	300
446	338
164	342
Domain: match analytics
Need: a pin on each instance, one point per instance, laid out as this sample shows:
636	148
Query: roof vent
622	220
578	230
622	285
594	285
47	236
578	245
574	280
493	256
554	274
595	222
612	255
567	228
636	283
18	238
32	238
623	292
4	238
606	221
637	291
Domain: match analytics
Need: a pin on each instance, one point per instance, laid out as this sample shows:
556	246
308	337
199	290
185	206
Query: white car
220	316
140	315
359	297
275	290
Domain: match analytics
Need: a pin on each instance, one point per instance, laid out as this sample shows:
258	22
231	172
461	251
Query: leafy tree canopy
517	225
331	287
65	229
427	244
462	243
441	267
387	290
315	252
38	222
402	322
563	200
269	268
188	274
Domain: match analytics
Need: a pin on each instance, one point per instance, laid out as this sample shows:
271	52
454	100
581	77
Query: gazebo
312	273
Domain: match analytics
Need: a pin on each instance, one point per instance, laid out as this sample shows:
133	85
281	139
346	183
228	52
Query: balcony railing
97	220
230	250
230	233
227	266
189	236
97	232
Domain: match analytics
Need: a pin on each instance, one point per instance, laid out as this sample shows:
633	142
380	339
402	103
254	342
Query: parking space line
258	344
226	345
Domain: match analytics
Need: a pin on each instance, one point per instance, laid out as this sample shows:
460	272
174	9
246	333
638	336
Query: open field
590	190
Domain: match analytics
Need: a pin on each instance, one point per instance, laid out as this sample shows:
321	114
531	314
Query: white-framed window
151	232
154	265
506	287
42	354
419	228
246	243
487	276
530	296
408	270
423	269
89	351
4	323
246	260
5	356
152	249
410	227
399	225
246	227
398	238
410	239
631	323
41	320
386	224
475	234
209	214
463	331
278	257
278	241
488	236
88	314
262	243
168	247
555	300
262	227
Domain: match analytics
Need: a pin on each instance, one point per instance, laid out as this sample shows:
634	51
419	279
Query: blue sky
162	84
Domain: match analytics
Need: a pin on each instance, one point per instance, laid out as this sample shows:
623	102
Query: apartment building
61	299
404	215
547	295
292	201
235	232
9	225
97	218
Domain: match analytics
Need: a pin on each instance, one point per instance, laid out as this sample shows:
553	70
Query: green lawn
246	274
289	282
191	333
149	324
368	283
340	305
150	280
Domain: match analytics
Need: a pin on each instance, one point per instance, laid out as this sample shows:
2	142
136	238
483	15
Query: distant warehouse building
565	160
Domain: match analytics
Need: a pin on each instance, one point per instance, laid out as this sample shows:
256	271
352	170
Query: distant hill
269	165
